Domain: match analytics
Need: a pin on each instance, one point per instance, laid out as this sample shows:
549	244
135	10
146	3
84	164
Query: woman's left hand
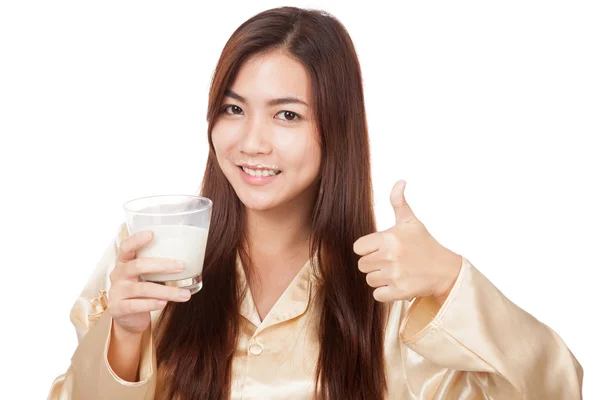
405	261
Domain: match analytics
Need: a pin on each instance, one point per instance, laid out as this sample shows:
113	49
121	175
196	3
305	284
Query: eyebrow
273	102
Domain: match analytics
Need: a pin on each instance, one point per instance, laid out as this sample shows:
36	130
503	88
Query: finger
370	263
367	244
155	291
402	210
377	279
131	244
384	294
135	306
144	265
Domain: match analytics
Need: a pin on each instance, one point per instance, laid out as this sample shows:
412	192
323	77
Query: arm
478	344
90	375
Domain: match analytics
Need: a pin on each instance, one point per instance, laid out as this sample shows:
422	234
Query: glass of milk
180	224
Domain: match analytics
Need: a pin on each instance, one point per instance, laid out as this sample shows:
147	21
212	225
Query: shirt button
255	349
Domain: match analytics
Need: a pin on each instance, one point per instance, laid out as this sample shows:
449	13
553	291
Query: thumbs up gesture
405	261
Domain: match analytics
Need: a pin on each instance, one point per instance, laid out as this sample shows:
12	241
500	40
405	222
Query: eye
235	110
289	116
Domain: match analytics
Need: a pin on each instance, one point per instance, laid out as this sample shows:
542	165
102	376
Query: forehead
272	75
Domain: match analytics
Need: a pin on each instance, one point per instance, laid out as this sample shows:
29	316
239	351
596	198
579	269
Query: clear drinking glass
180	224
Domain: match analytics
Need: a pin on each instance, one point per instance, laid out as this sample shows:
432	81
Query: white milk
178	242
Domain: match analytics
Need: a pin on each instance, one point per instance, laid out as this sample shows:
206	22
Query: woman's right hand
129	300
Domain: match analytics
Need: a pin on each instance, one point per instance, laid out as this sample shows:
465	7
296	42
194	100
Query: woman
301	297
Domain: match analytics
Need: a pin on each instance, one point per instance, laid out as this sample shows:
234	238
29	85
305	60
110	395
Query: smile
260	172
258	177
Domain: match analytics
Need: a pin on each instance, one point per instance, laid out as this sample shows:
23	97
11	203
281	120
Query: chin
258	203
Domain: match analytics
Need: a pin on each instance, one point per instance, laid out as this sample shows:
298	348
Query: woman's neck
282	231
277	233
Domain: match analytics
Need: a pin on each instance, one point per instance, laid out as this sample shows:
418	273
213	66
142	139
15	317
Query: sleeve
480	345
90	376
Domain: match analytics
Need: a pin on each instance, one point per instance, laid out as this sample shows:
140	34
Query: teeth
260	172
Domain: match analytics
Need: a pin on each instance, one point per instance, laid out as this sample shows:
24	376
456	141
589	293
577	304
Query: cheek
224	138
288	141
313	154
296	147
315	163
312	157
305	158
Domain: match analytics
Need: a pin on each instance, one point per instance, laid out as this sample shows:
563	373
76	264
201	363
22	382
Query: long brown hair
197	339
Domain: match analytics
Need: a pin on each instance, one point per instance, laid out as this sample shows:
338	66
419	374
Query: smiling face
265	137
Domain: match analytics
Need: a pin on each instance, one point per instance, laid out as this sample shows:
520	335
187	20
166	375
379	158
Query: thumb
401	208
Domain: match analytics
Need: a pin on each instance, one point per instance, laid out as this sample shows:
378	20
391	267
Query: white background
489	110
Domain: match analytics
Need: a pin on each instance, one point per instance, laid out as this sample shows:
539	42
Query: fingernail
179	266
184	294
162	303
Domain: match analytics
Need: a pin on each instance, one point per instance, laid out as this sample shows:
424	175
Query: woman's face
265	138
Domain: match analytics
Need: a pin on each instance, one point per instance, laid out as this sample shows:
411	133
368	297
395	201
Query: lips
258	172
256	180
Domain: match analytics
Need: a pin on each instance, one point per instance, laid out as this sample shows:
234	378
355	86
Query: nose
255	138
